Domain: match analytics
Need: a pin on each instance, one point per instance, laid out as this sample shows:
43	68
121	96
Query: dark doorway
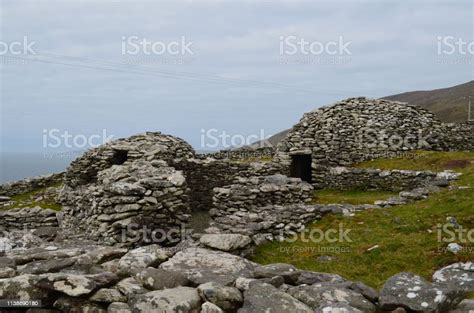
301	167
120	156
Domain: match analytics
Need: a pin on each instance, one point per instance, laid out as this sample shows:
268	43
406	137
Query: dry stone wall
27	218
459	137
345	178
204	174
250	193
30	184
262	205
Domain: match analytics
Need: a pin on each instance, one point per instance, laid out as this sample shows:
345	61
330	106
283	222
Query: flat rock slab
457	274
158	279
225	242
318	294
410	291
22	287
262	297
227	298
7	272
203	265
108	296
180	299
46	266
75	285
69	284
143	257
130	286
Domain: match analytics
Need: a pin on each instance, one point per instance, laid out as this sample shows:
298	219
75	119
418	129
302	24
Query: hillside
449	104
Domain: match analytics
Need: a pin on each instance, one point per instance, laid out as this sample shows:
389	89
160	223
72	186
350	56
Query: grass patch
328	196
406	236
426	161
38	197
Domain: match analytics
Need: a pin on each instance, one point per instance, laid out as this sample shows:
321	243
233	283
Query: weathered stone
413	292
180	299
289	273
108	295
316	294
118	307
77	305
310	278
225	242
460	275
143	257
266	298
337	307
46	266
22	287
7	272
129	286
157	279
101	255
226	298
69	284
202	265
208	307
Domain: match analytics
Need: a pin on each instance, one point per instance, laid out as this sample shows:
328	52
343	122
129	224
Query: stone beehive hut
115	190
354	130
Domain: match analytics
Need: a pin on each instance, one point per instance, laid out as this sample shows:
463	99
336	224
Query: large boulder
225	242
226	298
180	299
22	287
460	275
143	257
203	265
262	297
412	292
158	279
318	294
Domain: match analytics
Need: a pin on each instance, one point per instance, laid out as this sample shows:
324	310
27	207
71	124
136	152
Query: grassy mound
383	242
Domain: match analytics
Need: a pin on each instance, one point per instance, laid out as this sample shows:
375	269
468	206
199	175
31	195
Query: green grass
424	160
407	235
327	196
27	199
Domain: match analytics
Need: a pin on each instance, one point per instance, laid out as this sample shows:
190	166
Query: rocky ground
197	276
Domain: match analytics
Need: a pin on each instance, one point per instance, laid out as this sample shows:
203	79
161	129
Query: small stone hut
360	129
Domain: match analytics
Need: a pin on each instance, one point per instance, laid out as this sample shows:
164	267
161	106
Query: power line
185	74
153	73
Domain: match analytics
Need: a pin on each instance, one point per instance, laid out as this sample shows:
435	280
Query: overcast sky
235	72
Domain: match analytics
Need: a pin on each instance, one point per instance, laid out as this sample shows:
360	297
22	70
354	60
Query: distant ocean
15	166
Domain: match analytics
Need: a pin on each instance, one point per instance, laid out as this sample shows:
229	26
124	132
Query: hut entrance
301	167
